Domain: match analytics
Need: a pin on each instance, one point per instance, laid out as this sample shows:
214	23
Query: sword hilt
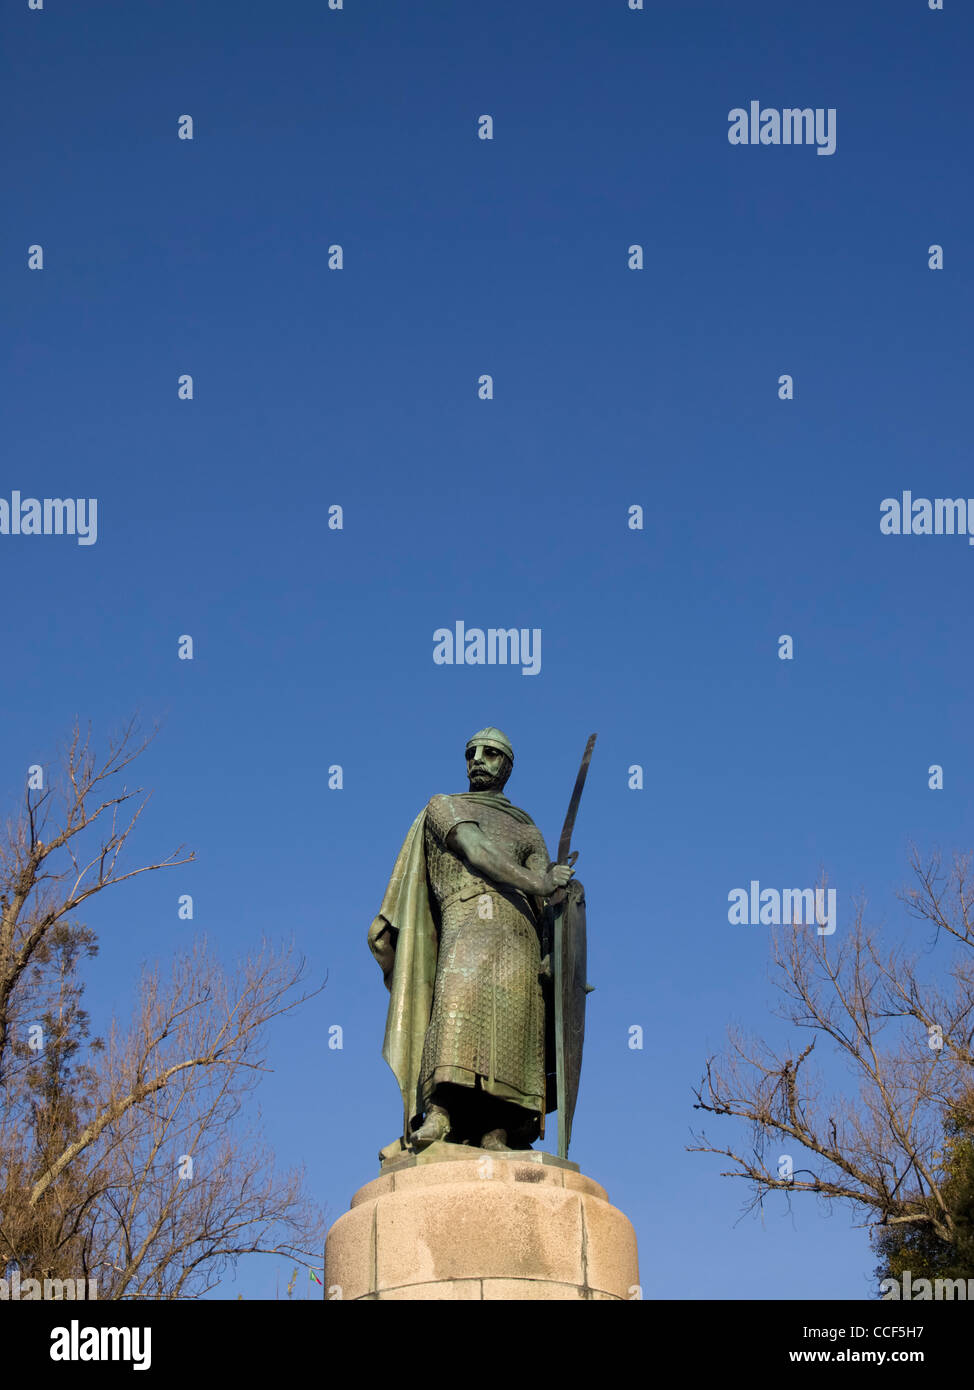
558	896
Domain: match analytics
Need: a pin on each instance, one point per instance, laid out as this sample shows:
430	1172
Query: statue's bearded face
488	768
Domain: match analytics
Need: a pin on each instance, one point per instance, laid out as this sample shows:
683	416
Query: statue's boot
496	1139
435	1126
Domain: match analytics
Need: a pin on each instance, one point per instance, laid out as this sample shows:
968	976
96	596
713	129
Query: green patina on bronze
460	934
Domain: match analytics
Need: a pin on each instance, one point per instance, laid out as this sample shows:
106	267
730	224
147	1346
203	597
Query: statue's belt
477	888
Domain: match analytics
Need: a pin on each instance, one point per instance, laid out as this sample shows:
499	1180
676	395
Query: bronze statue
481	940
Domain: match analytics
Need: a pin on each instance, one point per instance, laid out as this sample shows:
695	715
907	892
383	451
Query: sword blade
565	843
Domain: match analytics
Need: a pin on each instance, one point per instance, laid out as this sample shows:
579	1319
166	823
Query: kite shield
569	989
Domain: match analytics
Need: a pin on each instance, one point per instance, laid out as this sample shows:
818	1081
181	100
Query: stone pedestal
460	1223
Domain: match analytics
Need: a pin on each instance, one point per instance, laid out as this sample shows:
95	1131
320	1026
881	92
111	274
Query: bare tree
905	1032
43	883
131	1166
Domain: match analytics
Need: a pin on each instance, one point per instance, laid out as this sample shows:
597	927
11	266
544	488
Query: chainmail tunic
487	1018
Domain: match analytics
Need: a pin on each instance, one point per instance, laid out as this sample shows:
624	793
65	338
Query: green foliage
51	1091
918	1246
58	1084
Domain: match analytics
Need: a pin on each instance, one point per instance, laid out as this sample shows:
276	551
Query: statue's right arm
468	840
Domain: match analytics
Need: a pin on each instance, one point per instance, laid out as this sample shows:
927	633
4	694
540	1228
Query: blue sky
612	387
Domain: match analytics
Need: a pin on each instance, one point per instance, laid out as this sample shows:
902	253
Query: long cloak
407	909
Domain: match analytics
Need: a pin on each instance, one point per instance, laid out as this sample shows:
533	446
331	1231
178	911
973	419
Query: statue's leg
495	1139
451	1113
508	1126
437	1123
462	1104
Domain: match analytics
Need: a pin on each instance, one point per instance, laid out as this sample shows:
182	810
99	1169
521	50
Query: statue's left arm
539	860
382	944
